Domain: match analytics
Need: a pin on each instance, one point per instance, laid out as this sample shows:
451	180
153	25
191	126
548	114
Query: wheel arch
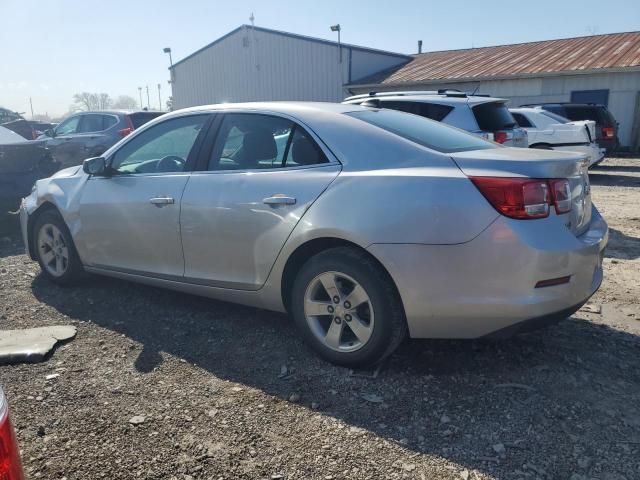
312	247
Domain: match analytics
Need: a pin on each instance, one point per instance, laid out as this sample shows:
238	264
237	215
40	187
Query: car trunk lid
517	162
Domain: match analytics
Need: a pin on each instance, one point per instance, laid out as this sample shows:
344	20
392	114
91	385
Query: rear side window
433	111
555	117
557	109
434	135
493	116
522	120
584	113
140	118
96	123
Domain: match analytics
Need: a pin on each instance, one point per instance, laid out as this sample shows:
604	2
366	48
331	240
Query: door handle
279	200
162	201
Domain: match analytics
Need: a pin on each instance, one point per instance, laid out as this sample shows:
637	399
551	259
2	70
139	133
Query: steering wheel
170	163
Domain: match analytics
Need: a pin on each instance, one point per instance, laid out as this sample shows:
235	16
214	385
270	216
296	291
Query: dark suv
606	124
90	134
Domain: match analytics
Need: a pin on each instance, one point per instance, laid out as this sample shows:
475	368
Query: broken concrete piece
592	308
33	344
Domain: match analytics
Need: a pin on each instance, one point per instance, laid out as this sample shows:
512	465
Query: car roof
564	104
120	111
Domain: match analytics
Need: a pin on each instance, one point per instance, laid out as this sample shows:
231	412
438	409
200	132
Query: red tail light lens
34	134
500	137
607	132
10	466
525	198
561	194
123	133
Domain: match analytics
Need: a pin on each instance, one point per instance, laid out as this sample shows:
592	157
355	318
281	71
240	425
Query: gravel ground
163	385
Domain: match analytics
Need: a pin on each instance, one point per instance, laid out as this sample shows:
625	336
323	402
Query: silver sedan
366	225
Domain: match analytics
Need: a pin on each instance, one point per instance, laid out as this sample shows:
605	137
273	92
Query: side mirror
95	166
50	132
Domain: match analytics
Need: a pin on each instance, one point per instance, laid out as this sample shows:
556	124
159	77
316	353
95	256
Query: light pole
168	50
336	28
159	98
148	101
140	93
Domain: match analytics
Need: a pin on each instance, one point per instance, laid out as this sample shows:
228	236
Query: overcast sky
52	49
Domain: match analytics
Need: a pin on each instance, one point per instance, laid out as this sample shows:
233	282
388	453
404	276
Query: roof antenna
477	88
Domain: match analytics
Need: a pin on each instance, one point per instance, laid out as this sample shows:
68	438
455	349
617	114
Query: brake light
561	195
10	466
525	198
500	137
607	132
123	133
34	133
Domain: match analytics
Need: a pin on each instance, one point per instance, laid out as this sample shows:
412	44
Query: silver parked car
364	224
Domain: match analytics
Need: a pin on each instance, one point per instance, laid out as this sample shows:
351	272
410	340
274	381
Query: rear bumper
594	153
487	285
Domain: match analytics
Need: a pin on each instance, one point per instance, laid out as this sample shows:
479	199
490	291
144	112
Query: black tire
74	270
390	326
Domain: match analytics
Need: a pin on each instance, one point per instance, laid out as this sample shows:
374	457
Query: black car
90	134
29	129
21	164
606	124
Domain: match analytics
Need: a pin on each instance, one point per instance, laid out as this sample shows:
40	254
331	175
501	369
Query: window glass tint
91	123
68	126
108	121
140	118
555	117
557	109
303	150
433	111
437	136
583	113
522	120
250	141
493	116
162	148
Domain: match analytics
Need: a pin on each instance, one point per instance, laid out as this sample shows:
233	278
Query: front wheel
55	250
347	308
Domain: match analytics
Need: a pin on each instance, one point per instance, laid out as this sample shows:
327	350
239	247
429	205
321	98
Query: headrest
304	152
258	145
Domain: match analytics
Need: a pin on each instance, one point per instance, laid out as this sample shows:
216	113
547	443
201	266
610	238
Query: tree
91	101
125	102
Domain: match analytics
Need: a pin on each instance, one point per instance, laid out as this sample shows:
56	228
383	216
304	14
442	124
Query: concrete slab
33	344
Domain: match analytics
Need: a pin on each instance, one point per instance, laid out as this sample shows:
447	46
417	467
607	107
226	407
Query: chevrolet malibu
366	225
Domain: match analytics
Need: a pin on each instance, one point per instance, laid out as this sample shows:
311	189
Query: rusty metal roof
616	50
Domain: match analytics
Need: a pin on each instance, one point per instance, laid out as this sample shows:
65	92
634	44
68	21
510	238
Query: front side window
165	147
69	126
254	141
434	135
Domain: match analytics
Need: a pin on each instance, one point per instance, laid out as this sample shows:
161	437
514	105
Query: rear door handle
162	200
279	200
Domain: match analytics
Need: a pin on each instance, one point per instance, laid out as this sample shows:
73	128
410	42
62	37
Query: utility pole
31	104
140	94
336	28
148	101
159	99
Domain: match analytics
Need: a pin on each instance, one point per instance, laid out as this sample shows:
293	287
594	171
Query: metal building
253	63
594	69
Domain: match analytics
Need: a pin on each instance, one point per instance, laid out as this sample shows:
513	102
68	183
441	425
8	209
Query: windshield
555	117
423	131
493	116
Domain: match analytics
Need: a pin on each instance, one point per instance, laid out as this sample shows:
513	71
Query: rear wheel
347	308
55	250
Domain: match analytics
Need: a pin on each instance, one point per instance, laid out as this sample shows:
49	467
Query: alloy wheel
338	311
53	250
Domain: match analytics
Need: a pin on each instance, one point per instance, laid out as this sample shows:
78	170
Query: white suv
484	116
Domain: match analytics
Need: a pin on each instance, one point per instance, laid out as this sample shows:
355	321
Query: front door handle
162	201
279	200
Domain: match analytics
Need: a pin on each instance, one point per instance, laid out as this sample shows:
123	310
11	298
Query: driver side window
162	148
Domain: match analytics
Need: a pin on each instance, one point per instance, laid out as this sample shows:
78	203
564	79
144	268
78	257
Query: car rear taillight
34	133
10	466
500	137
607	132
525	198
561	195
126	131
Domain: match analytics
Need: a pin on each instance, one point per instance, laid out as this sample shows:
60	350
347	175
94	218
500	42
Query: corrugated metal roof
616	50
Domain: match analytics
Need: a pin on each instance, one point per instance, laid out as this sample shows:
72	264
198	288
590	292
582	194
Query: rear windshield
555	117
425	132
140	118
493	116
